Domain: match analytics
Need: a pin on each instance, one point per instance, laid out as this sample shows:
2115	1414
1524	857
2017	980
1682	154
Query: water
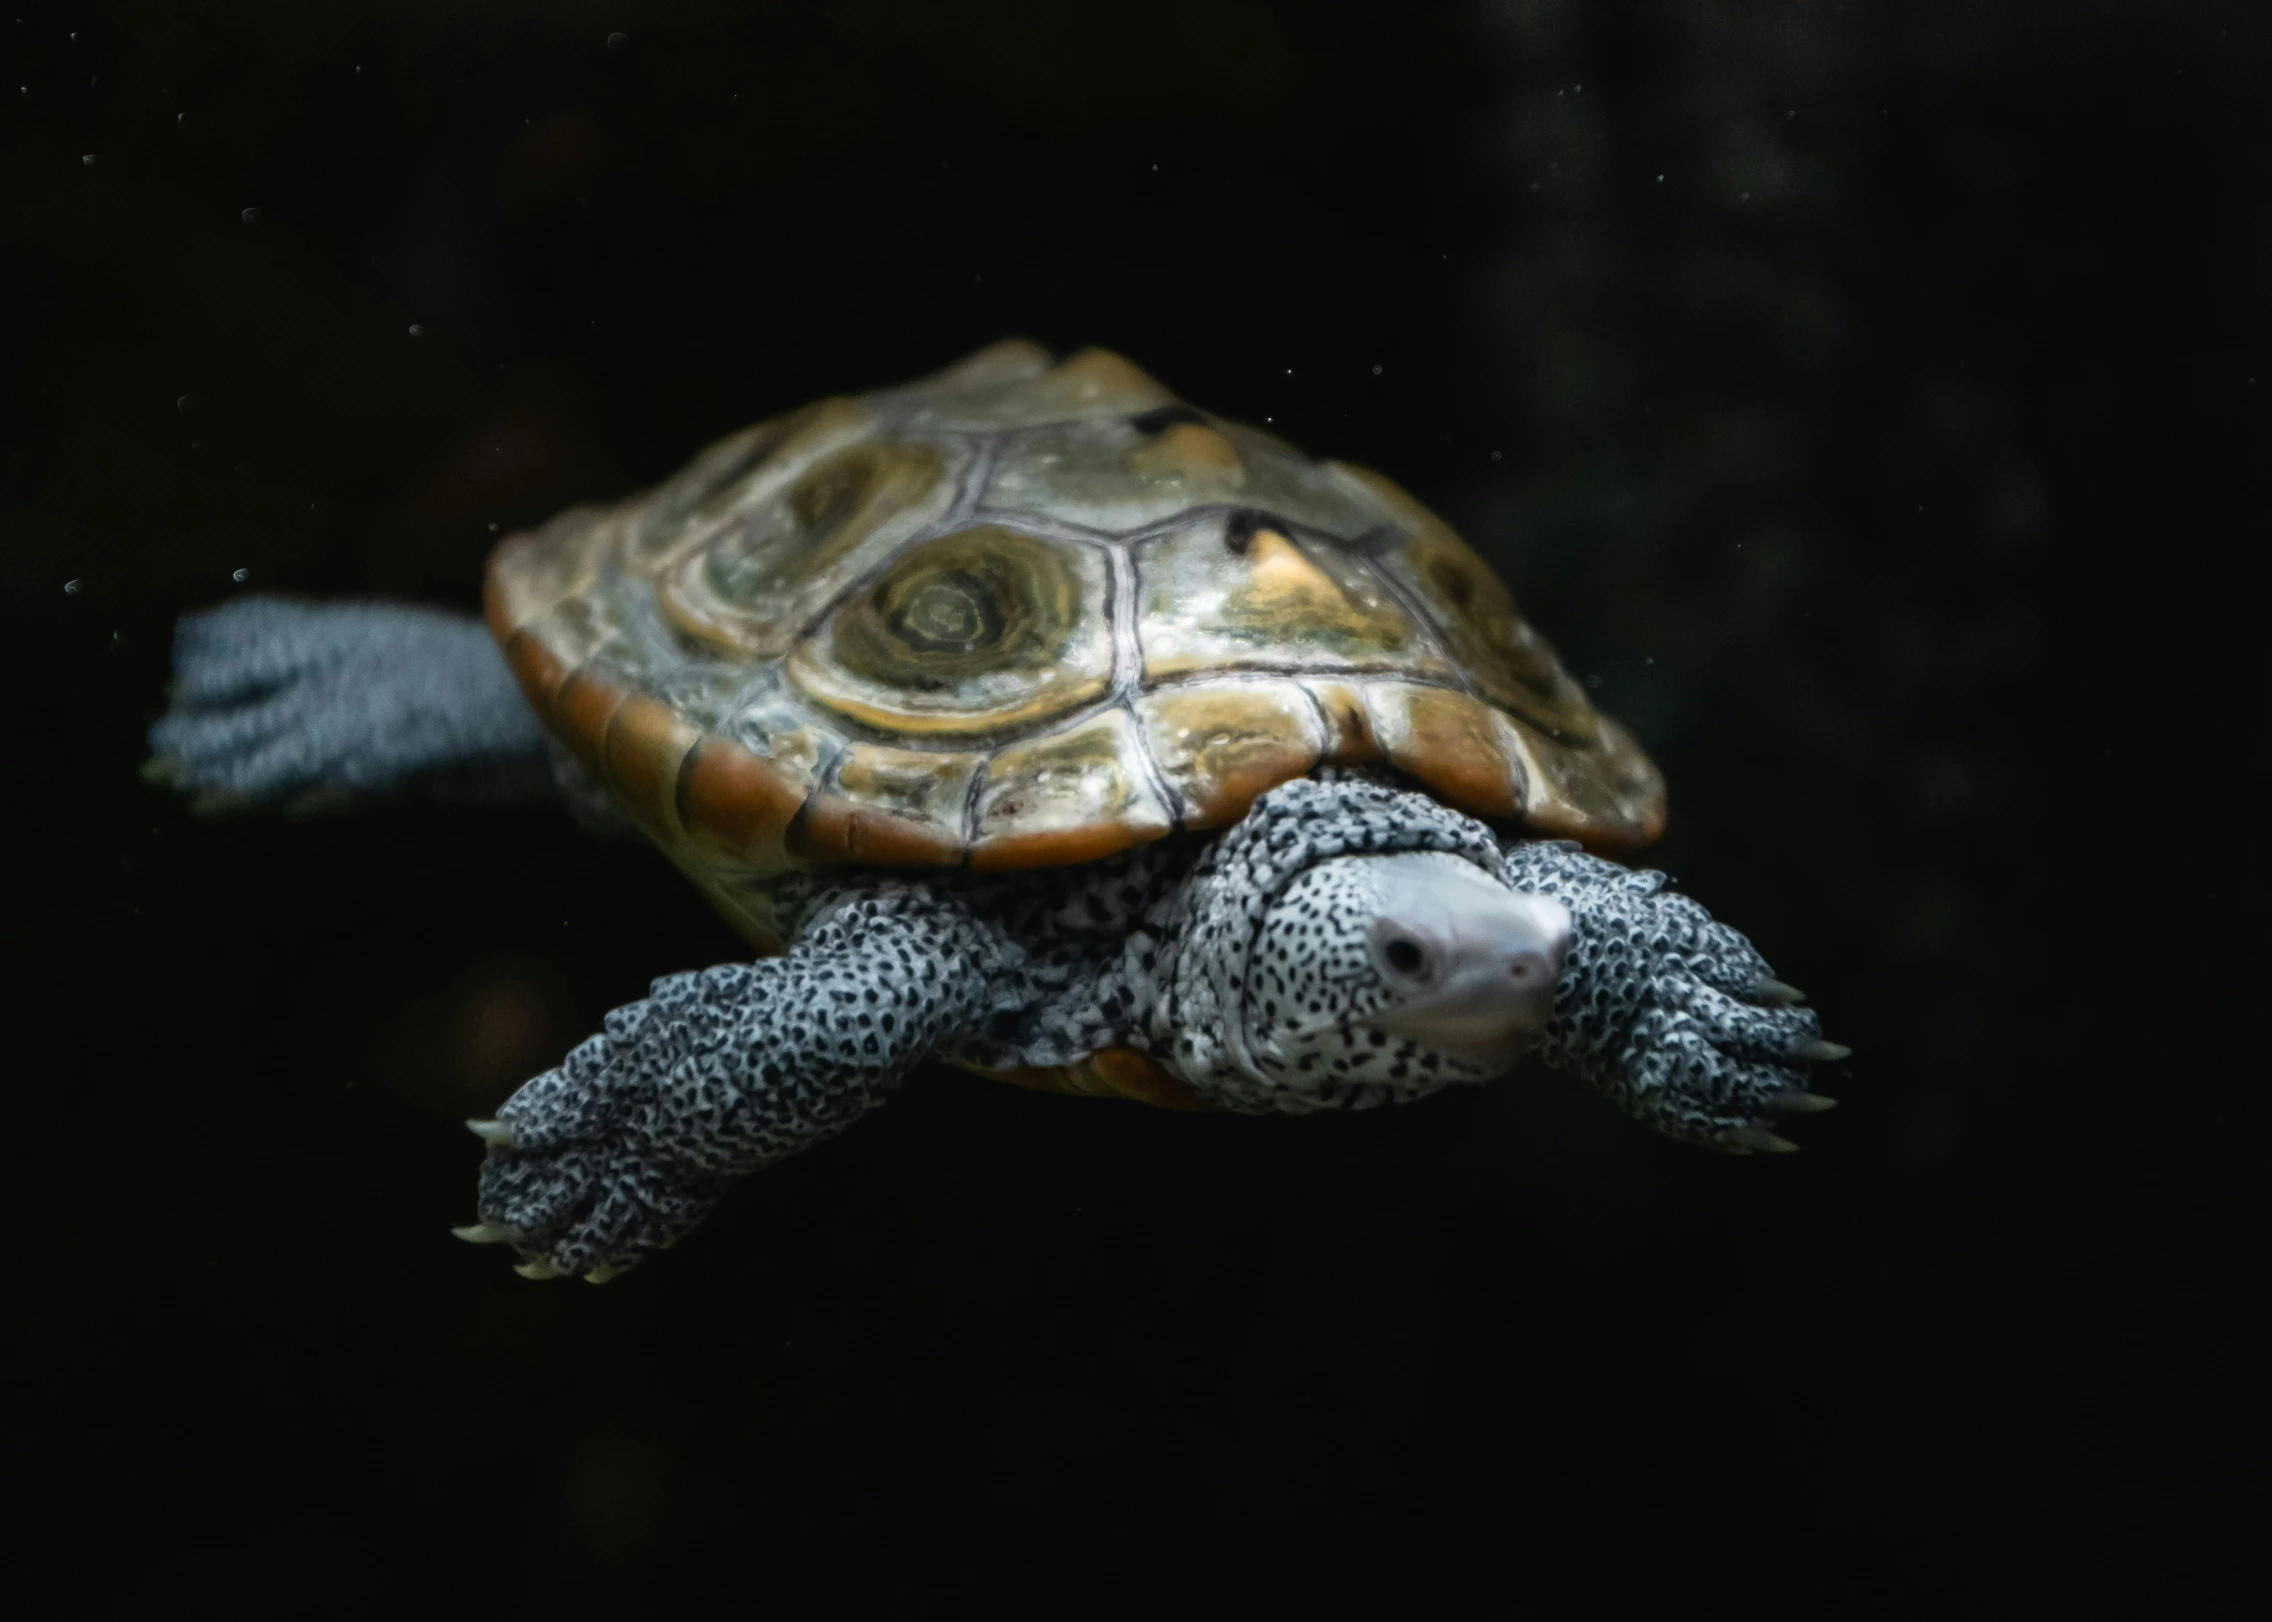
1888	505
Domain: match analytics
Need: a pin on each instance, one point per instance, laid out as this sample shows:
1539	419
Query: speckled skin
1232	959
1198	949
274	699
717	1074
1675	1017
633	1138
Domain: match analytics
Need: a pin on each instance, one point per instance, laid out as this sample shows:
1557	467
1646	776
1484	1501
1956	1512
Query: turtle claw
537	1270
1777	993
1798	1102
494	1133
489	1233
1758	1139
602	1273
1819	1052
160	769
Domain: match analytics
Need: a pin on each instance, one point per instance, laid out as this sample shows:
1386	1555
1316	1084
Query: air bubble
417	331
187	403
1376	371
619	42
251	216
88	159
72	588
240	576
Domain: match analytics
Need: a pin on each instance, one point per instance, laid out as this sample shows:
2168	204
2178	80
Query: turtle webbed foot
592	1208
576	1179
1722	1056
306	702
1672	1014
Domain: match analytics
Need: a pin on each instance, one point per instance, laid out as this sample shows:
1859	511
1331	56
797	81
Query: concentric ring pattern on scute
1024	613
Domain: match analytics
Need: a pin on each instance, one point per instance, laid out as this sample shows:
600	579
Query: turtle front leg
1670	1013
596	1165
275	700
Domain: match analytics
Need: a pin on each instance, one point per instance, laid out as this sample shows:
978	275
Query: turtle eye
1403	956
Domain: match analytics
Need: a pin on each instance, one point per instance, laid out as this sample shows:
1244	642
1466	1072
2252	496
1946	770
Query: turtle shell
1025	613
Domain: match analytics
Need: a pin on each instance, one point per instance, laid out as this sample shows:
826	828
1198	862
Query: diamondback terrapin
1030	718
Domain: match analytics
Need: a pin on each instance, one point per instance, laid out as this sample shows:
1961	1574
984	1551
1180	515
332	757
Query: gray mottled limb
1671	1014
274	698
639	1132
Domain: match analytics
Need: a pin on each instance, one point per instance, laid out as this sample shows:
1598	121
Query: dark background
1864	397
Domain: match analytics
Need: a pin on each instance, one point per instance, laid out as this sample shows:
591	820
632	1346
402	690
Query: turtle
1033	719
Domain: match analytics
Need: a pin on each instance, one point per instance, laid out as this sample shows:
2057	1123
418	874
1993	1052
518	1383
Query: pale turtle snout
1474	965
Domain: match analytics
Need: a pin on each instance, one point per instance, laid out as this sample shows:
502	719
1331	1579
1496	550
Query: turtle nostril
1528	970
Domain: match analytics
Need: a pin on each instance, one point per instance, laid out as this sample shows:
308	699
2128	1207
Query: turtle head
1386	976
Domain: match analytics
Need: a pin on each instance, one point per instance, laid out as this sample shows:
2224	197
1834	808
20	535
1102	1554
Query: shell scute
1219	745
836	828
1109	474
1089	383
774	726
829	639
900	807
1283	484
1349	739
973	632
750	584
1457	745
1120	473
581	710
560	562
1075	795
736	807
642	750
1210	598
1509	663
734	473
1607	798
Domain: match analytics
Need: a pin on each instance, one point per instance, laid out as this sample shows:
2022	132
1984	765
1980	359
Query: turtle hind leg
281	701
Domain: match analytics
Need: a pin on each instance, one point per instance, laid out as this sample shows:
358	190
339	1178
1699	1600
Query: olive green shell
1021	614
